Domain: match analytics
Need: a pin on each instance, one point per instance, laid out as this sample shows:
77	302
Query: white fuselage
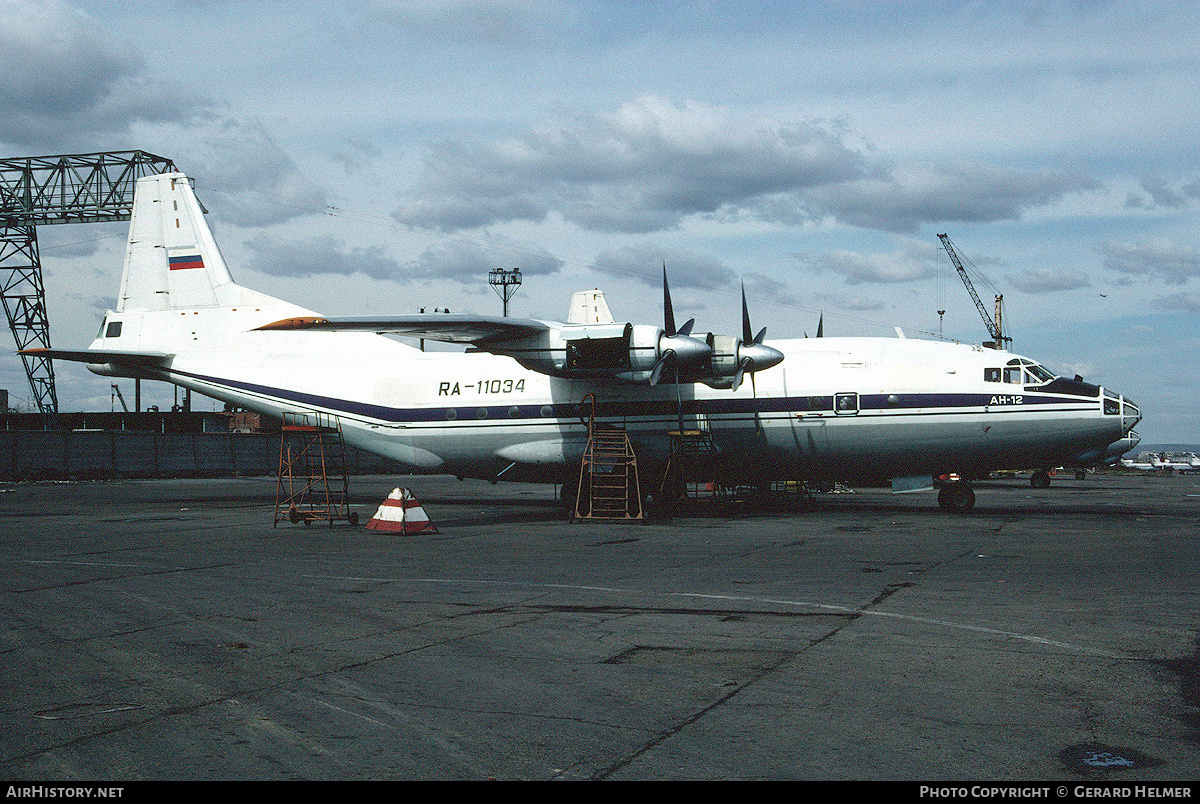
837	408
828	408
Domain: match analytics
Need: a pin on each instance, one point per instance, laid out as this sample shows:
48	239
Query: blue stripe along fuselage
908	403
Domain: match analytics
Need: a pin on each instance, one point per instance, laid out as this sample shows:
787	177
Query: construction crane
117	396
999	339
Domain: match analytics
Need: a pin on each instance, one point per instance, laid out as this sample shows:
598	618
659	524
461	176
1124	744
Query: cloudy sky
372	156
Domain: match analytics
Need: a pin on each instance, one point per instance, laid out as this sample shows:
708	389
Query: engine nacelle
640	353
723	359
730	359
625	352
645	350
600	350
637	353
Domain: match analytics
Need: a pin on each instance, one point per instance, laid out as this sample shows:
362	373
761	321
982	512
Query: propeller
752	353
676	346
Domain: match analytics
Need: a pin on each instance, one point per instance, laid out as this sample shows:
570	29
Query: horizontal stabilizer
97	356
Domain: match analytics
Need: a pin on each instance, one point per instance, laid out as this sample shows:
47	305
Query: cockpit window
113	330
991	375
1040	372
1034	374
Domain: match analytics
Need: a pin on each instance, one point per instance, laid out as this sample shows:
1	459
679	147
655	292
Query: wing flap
451	328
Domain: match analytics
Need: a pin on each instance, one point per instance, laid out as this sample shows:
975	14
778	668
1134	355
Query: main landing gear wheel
957	497
1040	479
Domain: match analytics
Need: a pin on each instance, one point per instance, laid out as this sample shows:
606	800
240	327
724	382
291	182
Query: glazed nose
1130	415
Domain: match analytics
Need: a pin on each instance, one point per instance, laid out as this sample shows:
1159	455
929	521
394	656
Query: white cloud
258	183
323	254
1178	302
646	262
652	163
914	195
467	261
1047	280
877	268
640	169
64	81
473	260
1175	264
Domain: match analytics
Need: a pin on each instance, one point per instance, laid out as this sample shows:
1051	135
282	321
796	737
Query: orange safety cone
401	513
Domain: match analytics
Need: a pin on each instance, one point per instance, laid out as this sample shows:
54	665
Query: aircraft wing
449	327
97	356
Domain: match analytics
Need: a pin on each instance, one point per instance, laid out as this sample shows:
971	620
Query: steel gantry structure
40	190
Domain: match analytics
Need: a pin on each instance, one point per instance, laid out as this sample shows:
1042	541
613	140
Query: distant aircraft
1182	464
512	407
1130	463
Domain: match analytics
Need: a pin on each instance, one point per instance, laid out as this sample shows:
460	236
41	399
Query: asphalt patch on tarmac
1088	759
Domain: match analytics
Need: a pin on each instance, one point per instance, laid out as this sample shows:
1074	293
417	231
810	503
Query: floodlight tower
505	283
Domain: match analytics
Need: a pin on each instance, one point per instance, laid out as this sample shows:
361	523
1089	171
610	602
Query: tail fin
589	307
172	260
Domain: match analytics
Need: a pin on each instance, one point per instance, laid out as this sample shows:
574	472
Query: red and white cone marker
401	513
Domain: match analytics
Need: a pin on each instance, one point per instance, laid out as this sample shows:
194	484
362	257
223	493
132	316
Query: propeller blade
678	397
686	329
762	333
668	311
745	317
656	372
743	364
821	326
757	419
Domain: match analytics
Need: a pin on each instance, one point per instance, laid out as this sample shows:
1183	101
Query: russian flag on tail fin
183	262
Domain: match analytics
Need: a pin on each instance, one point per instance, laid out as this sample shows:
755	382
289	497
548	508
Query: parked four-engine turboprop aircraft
509	408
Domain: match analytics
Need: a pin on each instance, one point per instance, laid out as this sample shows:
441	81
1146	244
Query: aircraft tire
957	497
1040	479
